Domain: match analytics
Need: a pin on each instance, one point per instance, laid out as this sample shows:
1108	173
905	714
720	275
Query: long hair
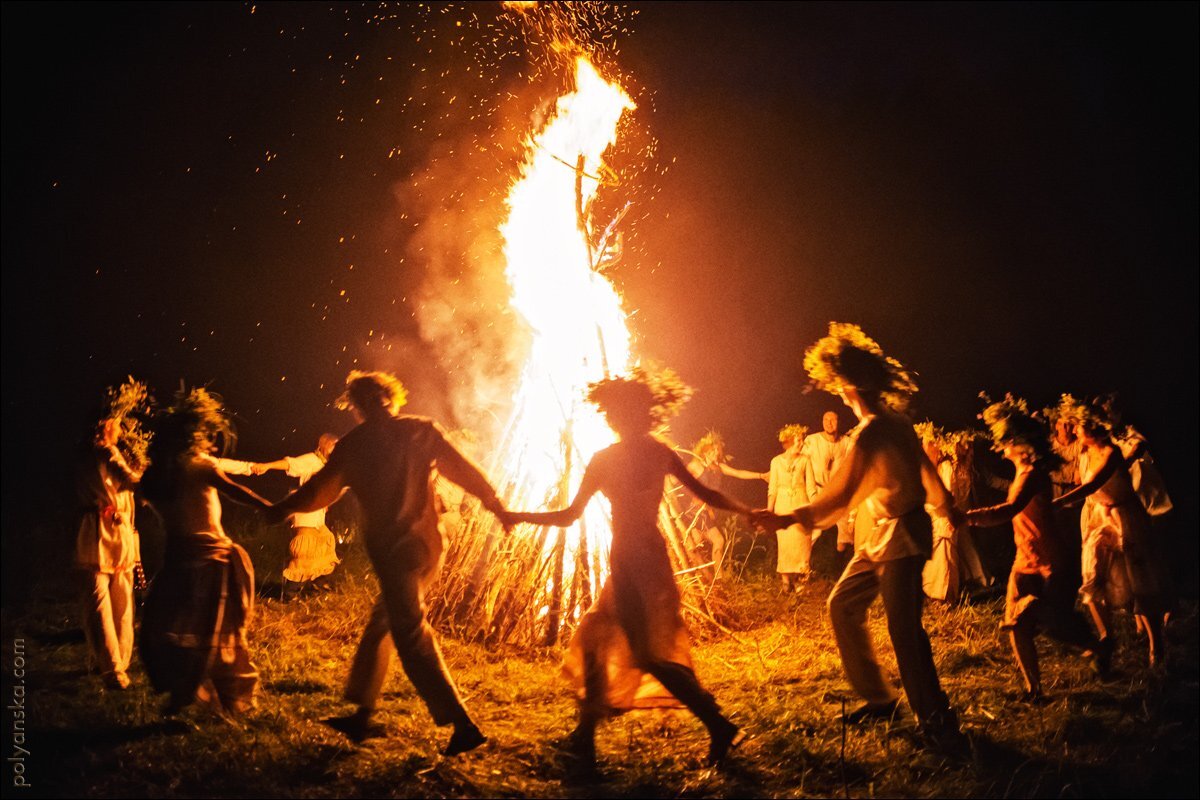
193	425
1011	424
847	357
641	400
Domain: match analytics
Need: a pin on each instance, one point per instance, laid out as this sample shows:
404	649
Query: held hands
259	469
508	519
770	521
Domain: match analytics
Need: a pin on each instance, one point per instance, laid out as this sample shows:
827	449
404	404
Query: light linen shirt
304	467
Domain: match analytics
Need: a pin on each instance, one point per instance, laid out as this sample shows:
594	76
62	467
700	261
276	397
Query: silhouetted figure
886	477
195	621
710	462
635	626
388	461
1040	596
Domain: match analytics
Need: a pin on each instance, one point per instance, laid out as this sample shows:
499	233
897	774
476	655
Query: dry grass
778	676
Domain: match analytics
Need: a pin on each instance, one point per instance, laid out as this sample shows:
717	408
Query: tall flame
575	315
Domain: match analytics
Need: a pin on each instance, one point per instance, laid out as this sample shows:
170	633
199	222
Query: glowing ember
578	325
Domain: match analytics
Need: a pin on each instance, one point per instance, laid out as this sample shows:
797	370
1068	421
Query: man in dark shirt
388	460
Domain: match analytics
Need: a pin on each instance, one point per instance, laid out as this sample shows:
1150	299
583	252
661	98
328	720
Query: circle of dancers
900	499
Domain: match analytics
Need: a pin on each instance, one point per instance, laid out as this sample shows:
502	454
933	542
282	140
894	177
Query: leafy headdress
1010	423
847	357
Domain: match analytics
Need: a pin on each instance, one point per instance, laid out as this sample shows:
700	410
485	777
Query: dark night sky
1004	195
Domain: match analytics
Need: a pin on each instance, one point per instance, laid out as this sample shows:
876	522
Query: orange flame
577	321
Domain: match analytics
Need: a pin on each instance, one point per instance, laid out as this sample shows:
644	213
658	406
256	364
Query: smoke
454	207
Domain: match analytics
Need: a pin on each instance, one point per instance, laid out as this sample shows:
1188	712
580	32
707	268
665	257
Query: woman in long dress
954	563
785	493
1122	560
635	628
193	639
1039	596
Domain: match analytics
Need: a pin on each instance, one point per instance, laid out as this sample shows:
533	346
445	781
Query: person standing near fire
887	479
388	461
823	452
785	492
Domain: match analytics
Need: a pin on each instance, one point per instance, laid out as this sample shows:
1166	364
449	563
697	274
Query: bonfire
532	587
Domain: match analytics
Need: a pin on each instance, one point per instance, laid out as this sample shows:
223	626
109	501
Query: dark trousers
899	584
400	612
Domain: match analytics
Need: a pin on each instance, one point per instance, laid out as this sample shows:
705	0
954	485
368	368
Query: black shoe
940	733
724	739
871	711
578	752
466	737
356	728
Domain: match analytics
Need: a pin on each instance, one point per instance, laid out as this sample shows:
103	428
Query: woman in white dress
785	493
1122	559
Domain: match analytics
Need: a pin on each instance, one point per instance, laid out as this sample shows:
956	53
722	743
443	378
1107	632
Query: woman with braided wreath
1122	559
1040	595
631	649
886	477
107	545
954	565
196	617
785	491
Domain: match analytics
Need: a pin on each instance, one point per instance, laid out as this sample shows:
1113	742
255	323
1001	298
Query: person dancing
1040	595
194	628
785	491
635	627
1121	554
388	461
886	476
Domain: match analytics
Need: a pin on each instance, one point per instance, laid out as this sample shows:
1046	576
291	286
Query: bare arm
239	494
743	474
681	473
1111	462
1003	512
564	517
125	474
936	493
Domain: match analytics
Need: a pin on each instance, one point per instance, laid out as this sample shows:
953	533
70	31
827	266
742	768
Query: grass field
778	676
